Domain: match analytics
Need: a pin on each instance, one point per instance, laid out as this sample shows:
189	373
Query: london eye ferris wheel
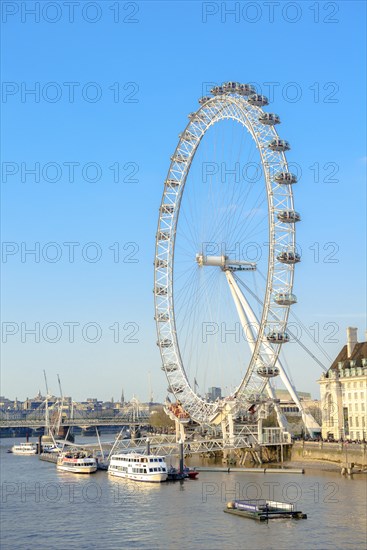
225	254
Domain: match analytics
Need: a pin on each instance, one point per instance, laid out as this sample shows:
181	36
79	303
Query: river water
44	508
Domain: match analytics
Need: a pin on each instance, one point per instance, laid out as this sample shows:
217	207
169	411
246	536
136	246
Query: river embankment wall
330	452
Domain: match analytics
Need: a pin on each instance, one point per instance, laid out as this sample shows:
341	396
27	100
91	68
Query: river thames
45	508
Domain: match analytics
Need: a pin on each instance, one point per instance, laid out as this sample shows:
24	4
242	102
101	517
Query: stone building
343	390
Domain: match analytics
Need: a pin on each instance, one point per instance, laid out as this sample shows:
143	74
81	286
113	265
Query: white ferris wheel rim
229	105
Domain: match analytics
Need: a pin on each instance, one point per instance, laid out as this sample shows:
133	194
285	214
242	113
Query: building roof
359	352
284	394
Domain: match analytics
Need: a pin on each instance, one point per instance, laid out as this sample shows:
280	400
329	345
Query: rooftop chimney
351	340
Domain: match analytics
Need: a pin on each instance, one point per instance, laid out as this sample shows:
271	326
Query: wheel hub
225	263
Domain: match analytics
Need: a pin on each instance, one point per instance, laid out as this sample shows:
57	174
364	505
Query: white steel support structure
230	101
253	325
250	325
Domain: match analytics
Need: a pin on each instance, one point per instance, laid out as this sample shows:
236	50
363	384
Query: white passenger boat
49	445
51	448
138	467
24	449
78	462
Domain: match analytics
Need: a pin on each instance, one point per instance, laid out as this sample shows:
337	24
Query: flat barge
263	510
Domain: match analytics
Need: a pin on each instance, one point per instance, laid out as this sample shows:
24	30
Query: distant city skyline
145	395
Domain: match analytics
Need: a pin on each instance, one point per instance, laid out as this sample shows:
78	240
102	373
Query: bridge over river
83	419
246	438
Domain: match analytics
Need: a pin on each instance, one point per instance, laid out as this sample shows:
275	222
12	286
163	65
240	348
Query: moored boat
49	445
78	462
24	449
138	467
51	448
174	474
191	473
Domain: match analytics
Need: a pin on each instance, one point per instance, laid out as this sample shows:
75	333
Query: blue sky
146	77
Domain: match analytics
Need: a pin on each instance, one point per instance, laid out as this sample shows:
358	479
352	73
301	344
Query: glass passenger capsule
160	290
269	119
217	90
161	263
165	343
279	145
204	99
176	389
289	257
197	116
179	158
288	216
285	299
162	317
246	89
284	178
258	100
172	183
230	86
167	208
170	367
267	372
239	88
187	136
163	235
278	337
